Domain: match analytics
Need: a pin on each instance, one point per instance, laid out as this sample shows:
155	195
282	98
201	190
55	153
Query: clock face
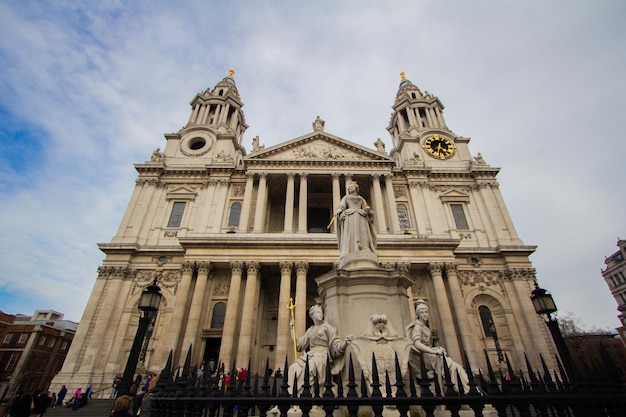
439	147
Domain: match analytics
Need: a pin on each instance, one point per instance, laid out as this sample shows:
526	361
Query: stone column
431	122
195	312
283	339
247	201
247	315
394	223
461	314
289	200
439	115
419	214
379	211
336	197
445	313
261	201
230	318
347	181
179	310
418	117
432	209
205	204
302	220
301	312
221	197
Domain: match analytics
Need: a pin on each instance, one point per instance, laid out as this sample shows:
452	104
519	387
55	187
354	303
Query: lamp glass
543	301
150	298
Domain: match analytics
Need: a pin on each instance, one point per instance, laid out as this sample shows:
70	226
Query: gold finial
402	76
231	72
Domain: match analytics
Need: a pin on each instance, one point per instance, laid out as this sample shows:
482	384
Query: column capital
253	266
250	175
286	267
205	267
336	175
263	175
302	267
187	266
451	267
404	266
291	175
435	267
417	183
236	266
303	175
376	176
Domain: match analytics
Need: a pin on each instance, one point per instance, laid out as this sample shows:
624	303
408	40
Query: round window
196	144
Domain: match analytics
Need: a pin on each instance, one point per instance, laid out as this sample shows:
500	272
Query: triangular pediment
183	193
318	146
454	196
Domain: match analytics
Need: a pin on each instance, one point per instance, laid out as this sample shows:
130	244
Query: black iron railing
533	393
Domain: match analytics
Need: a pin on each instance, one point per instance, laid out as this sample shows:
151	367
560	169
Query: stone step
94	408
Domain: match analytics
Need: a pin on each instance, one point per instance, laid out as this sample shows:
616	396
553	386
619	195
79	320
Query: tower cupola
414	112
219	109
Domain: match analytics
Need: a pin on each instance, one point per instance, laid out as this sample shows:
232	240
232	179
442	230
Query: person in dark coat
122	406
21	407
61	395
41	401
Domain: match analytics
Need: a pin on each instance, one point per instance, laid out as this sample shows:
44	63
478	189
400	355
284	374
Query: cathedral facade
233	237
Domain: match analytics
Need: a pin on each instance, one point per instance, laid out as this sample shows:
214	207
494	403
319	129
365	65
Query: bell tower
415	115
219	109
214	131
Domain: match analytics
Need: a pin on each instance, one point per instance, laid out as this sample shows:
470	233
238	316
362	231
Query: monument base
351	297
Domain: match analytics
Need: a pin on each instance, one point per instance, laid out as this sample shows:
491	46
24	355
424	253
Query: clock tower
419	132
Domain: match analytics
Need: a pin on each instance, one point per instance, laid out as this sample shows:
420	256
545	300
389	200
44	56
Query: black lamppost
544	306
149	305
494	333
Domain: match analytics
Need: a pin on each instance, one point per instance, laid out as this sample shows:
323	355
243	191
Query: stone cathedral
231	235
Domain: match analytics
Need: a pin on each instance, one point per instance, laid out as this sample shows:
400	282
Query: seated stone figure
434	356
320	342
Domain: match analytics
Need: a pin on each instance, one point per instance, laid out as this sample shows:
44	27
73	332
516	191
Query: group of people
25	404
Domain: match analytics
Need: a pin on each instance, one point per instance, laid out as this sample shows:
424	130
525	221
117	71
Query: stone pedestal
352	296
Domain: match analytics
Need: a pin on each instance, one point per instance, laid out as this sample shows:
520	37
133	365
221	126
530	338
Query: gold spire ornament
231	72
402	75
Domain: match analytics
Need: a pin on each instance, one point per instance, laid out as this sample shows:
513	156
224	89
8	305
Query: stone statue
157	155
478	159
355	228
381	340
318	125
322	342
255	144
434	356
380	146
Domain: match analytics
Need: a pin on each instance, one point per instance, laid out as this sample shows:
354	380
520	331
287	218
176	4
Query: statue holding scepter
355	227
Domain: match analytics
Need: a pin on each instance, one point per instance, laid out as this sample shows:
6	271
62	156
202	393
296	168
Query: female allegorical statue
321	341
434	356
355	229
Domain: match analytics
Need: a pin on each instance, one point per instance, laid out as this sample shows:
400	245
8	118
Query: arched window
403	216
217	319
487	321
235	212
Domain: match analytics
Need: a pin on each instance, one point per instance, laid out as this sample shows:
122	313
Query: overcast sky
88	88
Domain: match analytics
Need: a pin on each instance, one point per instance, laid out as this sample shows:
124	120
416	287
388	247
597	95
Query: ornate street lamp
148	305
544	306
